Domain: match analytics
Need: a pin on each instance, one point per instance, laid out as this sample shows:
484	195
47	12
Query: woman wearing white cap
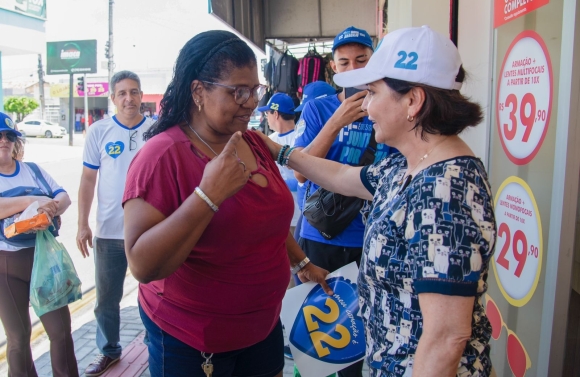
430	228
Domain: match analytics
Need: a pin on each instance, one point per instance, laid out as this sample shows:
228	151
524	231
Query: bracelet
204	197
281	153
299	266
286	159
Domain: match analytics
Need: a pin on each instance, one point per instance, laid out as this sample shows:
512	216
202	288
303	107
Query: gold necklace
408	176
211	149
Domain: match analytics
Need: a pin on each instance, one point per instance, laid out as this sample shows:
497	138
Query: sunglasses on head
517	356
10	136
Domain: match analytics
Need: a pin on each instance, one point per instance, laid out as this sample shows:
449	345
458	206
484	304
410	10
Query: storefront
523	57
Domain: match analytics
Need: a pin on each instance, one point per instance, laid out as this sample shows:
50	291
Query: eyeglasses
132	140
10	136
242	93
517	356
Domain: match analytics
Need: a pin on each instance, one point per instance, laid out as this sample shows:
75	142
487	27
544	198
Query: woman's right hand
48	206
225	174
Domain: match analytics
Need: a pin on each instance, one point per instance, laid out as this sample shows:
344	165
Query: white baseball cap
418	54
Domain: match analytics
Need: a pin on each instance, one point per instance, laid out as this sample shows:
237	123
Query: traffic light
81	84
107	50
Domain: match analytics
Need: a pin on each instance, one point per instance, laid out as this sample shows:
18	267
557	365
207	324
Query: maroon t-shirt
228	294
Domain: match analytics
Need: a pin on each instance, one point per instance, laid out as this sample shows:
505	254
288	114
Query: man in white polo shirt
110	146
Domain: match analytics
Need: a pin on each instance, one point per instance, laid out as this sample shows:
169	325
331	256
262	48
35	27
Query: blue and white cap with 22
419	55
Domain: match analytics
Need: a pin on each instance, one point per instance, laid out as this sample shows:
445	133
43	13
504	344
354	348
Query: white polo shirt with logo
110	147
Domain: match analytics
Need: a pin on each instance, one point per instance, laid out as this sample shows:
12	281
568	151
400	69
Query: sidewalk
134	360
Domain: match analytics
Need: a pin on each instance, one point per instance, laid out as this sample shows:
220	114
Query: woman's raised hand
226	174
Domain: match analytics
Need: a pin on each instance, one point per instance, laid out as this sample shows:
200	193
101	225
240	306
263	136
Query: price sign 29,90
524	97
518	253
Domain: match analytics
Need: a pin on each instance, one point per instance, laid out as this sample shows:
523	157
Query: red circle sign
524	97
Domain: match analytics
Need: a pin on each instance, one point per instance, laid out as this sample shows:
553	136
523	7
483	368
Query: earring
410	118
198	105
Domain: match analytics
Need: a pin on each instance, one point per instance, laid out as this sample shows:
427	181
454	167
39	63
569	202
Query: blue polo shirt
347	148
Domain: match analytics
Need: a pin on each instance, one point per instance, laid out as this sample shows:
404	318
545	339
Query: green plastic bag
54	282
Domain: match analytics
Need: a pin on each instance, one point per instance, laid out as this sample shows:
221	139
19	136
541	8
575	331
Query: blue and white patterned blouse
436	235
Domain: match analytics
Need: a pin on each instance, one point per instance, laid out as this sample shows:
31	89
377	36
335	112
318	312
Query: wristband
286	158
281	154
300	266
204	197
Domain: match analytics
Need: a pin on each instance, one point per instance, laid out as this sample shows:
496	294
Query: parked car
39	127
254	123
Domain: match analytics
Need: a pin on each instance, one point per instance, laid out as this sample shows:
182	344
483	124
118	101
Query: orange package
26	225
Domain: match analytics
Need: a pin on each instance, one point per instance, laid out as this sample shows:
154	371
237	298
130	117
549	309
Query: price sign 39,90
518	252
524	97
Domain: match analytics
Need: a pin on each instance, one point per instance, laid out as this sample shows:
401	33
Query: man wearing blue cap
280	115
312	91
336	128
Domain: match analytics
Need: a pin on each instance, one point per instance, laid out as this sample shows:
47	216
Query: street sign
70	57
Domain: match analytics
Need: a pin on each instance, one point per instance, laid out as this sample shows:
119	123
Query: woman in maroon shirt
212	281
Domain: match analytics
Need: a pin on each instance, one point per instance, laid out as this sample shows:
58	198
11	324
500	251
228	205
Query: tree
21	106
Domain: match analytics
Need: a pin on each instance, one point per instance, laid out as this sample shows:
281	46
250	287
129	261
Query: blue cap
279	102
352	35
6	124
314	90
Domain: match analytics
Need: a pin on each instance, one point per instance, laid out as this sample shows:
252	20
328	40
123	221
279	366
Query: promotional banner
35	8
71	57
519	250
326	333
508	10
95	89
524	97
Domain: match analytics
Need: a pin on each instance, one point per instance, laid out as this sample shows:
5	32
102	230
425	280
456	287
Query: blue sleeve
308	126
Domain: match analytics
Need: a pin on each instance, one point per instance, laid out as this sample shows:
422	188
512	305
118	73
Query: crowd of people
199	208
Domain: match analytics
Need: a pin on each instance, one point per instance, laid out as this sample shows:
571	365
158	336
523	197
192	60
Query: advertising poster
35	8
326	333
71	57
524	97
519	250
95	89
505	11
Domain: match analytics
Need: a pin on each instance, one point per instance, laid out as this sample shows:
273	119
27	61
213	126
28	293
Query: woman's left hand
315	274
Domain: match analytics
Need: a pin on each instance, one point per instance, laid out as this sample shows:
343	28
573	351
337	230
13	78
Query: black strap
40	177
368	156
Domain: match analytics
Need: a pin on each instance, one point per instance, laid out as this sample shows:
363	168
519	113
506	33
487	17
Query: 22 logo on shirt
115	149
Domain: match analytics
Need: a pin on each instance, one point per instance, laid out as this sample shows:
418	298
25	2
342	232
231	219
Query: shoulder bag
331	213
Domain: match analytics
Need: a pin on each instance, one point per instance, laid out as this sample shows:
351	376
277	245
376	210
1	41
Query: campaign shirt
288	138
347	148
24	176
227	295
435	234
110	147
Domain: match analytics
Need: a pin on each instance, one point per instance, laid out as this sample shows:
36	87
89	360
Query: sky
148	34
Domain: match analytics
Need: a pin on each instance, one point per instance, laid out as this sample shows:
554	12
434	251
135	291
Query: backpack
27	239
285	75
311	68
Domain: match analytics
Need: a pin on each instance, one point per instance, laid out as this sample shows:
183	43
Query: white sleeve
91	153
55	187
